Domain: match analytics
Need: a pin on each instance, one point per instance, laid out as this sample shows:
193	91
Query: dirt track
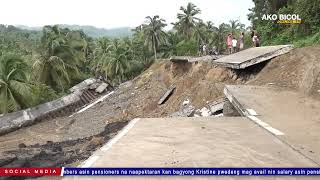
201	83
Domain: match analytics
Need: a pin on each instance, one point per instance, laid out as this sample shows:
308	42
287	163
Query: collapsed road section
251	56
292	117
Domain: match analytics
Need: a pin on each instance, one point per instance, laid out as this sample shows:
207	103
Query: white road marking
120	135
252	112
266	126
90	161
92	104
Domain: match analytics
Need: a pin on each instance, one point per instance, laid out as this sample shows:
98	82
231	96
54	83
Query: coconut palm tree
235	26
154	34
103	47
15	92
115	62
58	62
187	20
220	34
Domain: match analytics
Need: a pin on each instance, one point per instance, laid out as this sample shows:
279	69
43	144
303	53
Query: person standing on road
256	40
229	43
200	50
241	41
204	49
234	45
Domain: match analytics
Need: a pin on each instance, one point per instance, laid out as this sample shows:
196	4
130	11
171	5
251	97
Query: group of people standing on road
235	45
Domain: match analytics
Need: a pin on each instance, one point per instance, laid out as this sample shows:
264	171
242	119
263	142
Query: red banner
41	171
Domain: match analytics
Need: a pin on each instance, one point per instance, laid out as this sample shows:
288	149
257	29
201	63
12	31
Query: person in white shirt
204	49
234	44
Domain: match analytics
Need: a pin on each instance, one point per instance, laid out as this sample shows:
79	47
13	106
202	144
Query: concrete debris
80	95
212	109
188	110
102	88
83	85
185	102
217	105
94	85
205	112
167	94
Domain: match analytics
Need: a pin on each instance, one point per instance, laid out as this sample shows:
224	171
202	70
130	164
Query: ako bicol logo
282	18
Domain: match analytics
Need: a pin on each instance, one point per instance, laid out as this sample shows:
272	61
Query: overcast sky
115	13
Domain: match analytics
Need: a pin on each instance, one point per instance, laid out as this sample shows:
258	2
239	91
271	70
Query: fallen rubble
167	94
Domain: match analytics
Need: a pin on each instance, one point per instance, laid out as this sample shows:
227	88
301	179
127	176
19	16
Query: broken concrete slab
217	105
102	87
180	59
294	115
166	95
251	56
12	121
15	120
94	85
195	142
185	59
83	85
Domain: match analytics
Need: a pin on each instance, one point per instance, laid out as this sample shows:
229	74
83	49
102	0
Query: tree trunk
155	51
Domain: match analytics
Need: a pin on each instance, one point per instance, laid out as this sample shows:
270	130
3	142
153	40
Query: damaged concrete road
251	56
189	142
292	117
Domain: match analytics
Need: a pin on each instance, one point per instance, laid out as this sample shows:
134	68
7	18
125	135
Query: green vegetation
304	34
39	66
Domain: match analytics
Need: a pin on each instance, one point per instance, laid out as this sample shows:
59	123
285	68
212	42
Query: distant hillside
91	30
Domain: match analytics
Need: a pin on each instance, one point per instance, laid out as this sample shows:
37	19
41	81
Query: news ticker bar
159	171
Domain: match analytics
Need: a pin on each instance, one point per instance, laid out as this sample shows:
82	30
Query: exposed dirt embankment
199	82
298	70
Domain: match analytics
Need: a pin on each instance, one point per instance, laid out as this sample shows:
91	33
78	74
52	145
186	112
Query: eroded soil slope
298	70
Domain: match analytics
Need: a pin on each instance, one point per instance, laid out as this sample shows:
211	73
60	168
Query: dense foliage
306	33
